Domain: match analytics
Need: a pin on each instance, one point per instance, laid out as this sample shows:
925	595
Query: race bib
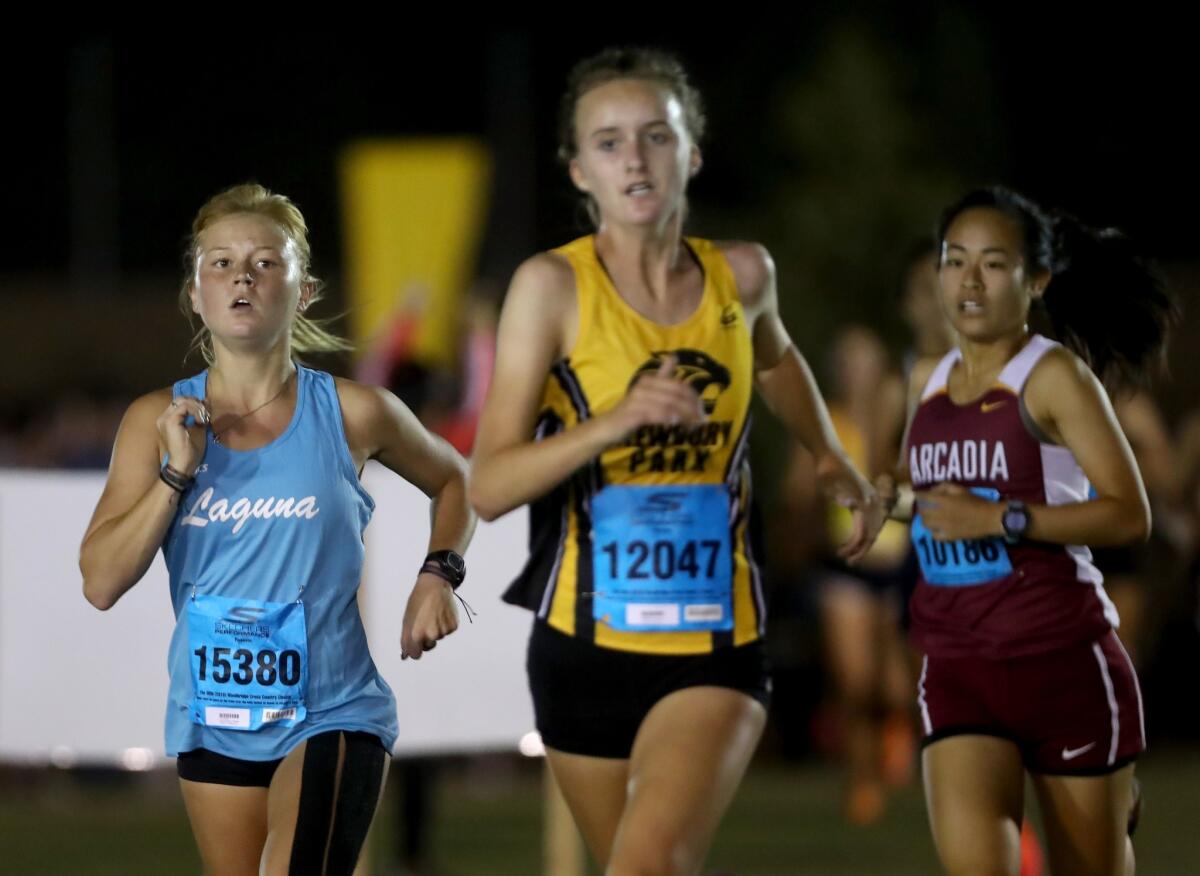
962	563
249	662
661	558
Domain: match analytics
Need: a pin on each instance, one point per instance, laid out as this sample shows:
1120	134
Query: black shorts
202	765
591	700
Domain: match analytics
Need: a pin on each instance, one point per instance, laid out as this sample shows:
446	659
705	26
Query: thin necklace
217	435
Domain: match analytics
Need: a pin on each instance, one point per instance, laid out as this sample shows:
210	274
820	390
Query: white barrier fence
81	686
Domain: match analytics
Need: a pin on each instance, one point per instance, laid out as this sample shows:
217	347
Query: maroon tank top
985	598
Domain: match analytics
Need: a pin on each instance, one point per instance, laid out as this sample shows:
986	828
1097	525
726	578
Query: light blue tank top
277	524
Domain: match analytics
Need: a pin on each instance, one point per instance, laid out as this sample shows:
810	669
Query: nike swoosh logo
988	407
1072	753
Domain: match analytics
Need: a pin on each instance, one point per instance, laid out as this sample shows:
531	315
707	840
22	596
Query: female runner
246	476
619	410
1023	671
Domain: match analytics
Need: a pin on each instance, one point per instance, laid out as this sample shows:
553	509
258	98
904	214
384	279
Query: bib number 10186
963	563
943	553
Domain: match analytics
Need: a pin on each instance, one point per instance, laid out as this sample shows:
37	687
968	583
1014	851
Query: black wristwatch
1015	521
447	565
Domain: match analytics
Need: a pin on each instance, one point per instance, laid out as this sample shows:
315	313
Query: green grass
784	821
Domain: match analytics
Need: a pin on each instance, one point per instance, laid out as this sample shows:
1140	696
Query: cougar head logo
698	370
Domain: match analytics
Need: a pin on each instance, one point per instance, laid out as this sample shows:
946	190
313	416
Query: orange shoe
1033	862
864	803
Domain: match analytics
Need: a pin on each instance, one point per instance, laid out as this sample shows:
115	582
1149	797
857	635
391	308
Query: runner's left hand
431	615
952	512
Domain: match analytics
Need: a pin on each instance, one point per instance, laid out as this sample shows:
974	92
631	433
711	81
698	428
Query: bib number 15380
243	666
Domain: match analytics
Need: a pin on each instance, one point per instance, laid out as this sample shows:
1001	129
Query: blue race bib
249	662
661	558
962	563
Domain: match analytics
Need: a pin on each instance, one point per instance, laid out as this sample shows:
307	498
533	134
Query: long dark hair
1106	302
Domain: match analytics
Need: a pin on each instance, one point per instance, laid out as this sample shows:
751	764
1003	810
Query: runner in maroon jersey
1023	669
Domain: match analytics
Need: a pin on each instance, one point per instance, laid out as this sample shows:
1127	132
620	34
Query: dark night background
834	140
1093	116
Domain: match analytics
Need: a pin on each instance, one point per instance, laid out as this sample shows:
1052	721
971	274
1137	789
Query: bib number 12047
662	558
643	560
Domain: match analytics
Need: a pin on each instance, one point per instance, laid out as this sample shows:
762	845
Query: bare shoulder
364	407
753	270
1062	389
357	397
138	447
1059	370
143	412
382	427
540	308
151	404
546	278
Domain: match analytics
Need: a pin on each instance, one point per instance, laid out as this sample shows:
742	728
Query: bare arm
509	468
1067	401
379	426
136	507
787	385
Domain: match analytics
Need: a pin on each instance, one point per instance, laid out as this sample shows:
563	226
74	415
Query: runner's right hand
659	398
184	444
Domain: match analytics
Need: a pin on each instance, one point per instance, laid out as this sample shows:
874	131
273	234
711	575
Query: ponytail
1107	303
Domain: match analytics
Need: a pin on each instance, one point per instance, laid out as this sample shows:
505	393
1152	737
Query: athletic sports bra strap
941	374
1019	367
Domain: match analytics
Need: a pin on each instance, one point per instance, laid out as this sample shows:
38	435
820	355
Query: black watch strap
447	565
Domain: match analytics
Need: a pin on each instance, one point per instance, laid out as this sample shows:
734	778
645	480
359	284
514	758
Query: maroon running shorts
1074	711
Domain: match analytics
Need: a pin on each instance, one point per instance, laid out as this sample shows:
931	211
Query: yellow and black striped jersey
615	344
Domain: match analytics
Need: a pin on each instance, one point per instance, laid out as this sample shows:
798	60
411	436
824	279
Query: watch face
1015	521
455	562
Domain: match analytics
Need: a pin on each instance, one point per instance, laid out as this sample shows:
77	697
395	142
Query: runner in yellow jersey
619	411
